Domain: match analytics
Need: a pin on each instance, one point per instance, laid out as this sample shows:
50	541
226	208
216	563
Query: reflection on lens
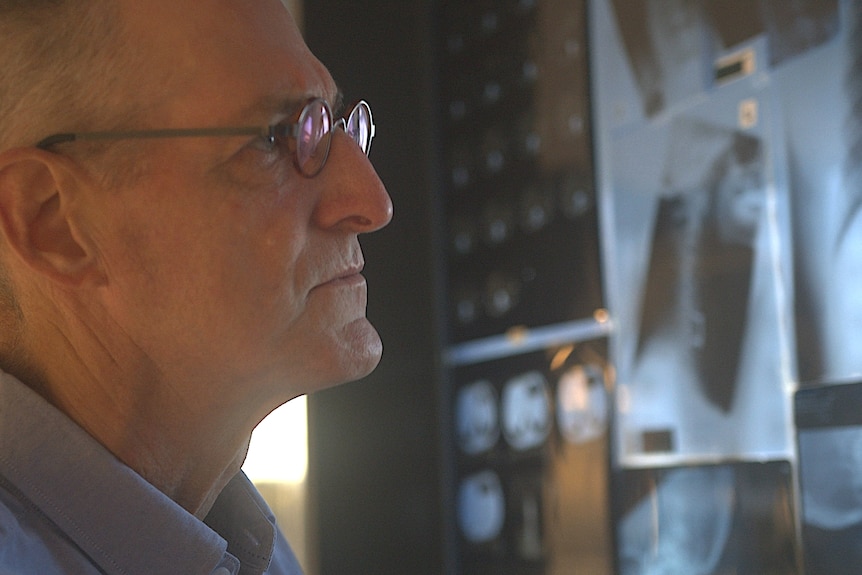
315	126
359	126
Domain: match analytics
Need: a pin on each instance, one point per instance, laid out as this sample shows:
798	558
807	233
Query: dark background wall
375	457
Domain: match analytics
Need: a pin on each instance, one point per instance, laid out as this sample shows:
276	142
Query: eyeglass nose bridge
355	138
358	125
365	132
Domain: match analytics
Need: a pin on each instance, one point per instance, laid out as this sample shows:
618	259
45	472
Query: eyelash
272	144
269	142
267	153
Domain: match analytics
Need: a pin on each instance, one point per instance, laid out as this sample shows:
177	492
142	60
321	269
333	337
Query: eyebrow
337	104
290	105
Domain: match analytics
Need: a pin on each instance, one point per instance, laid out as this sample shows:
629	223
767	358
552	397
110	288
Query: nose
351	193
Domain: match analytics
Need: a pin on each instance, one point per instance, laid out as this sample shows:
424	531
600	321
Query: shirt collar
123	523
242	517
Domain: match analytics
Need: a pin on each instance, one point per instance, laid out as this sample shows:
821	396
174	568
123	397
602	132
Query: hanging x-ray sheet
821	97
693	172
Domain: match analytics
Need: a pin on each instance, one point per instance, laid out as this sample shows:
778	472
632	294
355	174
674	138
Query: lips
347	280
351	275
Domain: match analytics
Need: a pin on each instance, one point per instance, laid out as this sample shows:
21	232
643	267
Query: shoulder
29	543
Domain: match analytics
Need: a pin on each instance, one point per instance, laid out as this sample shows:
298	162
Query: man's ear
38	190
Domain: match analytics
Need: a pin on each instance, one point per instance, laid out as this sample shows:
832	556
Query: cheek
264	270
214	265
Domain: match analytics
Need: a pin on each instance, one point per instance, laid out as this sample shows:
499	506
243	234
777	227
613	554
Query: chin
356	355
368	352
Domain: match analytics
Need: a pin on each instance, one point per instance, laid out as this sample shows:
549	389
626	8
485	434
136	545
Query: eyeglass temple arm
150	134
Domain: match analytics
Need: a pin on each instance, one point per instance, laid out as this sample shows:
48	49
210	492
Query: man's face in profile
226	264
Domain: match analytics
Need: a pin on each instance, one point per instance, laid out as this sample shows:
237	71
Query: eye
268	143
264	154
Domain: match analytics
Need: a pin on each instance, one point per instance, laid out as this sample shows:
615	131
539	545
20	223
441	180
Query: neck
183	439
186	457
191	480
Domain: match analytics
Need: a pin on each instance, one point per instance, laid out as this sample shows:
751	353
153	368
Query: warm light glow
517	334
560	358
574	390
601	315
279	445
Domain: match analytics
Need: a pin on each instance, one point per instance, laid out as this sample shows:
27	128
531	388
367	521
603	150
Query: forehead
219	60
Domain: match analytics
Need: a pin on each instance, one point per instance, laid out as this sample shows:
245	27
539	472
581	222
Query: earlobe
36	192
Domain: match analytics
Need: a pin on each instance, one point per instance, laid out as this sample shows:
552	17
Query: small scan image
707	520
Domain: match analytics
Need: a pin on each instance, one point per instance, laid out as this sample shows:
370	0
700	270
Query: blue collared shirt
68	506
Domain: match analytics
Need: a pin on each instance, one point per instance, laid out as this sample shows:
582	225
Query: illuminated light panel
279	445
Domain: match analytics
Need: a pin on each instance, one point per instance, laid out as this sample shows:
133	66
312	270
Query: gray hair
54	58
53	55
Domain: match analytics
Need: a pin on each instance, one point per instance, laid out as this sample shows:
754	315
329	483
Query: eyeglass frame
271	132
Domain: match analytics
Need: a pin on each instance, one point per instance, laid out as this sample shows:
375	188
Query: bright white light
279	445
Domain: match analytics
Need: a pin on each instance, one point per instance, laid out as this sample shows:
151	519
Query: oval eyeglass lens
312	146
359	126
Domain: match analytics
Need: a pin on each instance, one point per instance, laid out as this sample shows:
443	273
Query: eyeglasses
312	133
